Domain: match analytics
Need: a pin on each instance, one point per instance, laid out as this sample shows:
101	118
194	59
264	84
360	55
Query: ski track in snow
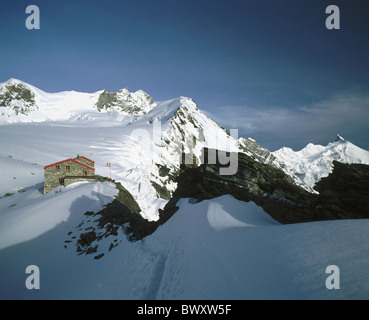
156	278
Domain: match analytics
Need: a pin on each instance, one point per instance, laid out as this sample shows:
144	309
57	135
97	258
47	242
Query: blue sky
268	68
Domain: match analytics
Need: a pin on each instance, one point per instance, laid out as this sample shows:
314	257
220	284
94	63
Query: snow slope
33	214
17	175
218	249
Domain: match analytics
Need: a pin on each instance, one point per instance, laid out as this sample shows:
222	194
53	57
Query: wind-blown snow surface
218	249
33	214
17	175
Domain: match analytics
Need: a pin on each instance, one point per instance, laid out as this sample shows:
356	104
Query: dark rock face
346	191
106	99
122	213
263	184
343	195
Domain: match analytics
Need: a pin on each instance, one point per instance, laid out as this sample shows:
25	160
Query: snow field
16	175
37	214
244	255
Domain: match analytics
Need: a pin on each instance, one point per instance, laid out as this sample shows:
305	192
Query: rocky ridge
136	103
16	98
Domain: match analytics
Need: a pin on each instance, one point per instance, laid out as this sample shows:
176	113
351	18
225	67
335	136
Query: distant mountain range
21	102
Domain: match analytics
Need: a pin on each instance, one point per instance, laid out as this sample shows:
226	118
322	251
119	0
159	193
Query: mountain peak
131	103
12	82
340	138
19	101
16	99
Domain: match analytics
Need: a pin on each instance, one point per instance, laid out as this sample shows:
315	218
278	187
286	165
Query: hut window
67	168
57	167
84	173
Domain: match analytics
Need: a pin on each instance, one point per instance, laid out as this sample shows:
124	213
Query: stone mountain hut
68	171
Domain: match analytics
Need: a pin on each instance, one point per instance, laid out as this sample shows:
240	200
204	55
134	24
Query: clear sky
268	68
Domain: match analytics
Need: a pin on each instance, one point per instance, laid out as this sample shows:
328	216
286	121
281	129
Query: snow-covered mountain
184	126
164	131
153	137
160	156
314	162
309	165
21	102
